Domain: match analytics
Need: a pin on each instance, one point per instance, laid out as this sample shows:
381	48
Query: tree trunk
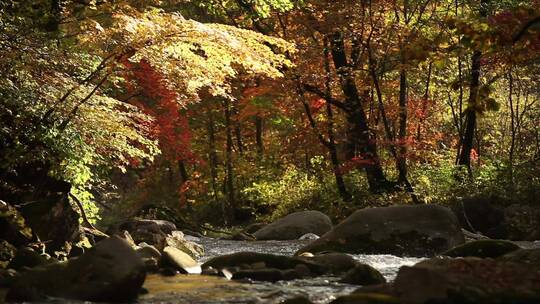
238	132
402	134
359	142
212	156
331	144
229	162
332	150
470	119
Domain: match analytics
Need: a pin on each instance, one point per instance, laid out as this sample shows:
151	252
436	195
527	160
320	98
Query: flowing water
204	289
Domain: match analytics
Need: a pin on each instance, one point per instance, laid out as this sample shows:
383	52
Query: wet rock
482	249
334	262
145	251
309	236
266	275
363	274
150	256
526	256
181	260
294	225
366	298
7	252
468	280
244	259
400	230
176	240
210	271
109	272
28	258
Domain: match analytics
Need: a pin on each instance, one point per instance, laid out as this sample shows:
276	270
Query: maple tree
229	106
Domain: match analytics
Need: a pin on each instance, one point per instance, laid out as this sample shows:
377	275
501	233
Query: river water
215	290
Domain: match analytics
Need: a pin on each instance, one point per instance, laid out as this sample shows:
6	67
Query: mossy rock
366	298
363	274
482	249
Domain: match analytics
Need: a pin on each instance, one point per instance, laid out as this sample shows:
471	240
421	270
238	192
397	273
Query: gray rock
177	240
400	230
294	225
181	260
146	251
111	271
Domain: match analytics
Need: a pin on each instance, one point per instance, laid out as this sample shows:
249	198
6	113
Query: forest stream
210	289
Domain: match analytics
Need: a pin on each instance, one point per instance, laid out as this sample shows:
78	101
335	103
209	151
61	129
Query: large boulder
111	271
294	225
468	280
481	214
482	249
400	230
